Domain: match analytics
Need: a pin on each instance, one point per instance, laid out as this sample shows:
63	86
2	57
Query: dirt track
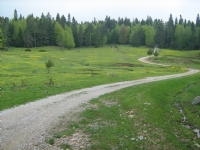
25	126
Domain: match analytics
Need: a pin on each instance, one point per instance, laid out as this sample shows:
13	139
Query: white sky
86	10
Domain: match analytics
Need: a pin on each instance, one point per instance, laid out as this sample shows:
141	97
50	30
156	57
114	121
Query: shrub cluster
27	50
42	50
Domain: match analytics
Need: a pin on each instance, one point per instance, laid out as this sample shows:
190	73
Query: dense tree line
33	31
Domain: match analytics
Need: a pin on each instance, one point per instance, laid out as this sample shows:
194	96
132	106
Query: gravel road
25	126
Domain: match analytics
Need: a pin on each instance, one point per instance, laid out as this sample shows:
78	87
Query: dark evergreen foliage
39	31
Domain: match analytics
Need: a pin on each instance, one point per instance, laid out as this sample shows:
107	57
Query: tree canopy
64	31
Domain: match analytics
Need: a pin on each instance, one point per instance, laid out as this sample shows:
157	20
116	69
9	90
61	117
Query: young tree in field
156	51
123	34
49	64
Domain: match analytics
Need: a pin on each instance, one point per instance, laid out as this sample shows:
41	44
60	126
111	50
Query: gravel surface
26	126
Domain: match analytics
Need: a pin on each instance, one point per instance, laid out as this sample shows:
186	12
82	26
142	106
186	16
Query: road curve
24	127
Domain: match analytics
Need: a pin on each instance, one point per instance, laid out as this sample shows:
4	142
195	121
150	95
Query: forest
180	34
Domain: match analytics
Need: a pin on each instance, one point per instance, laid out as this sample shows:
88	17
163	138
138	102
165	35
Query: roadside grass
143	117
24	77
190	59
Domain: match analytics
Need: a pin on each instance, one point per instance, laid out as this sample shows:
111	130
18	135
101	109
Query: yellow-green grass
24	77
190	59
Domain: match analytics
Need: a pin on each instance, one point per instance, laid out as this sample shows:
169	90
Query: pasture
24	77
145	116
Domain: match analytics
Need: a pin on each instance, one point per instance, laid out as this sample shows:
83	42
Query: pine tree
19	40
28	39
181	20
80	36
160	34
15	15
197	37
1	40
169	32
198	21
88	34
103	31
69	20
31	29
75	32
58	18
63	21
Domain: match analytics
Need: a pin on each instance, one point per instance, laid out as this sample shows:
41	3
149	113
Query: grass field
120	119
150	111
24	77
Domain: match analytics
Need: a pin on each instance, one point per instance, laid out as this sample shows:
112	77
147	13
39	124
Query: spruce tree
75	31
80	36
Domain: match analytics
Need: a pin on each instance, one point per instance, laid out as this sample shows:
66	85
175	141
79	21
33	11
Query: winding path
24	127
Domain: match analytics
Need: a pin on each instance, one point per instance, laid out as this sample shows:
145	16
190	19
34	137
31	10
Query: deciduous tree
123	34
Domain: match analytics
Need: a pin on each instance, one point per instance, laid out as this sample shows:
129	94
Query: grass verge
143	117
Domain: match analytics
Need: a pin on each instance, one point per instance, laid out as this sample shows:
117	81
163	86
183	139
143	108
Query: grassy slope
23	74
109	123
155	116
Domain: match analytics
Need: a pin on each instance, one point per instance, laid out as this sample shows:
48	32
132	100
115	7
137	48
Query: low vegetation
134	118
75	69
140	117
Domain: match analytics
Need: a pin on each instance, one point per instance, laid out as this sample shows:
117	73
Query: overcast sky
86	10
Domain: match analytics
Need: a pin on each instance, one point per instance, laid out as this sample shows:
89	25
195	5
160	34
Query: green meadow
145	116
150	111
24	77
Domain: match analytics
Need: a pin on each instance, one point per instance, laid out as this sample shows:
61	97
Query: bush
150	51
27	50
42	50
